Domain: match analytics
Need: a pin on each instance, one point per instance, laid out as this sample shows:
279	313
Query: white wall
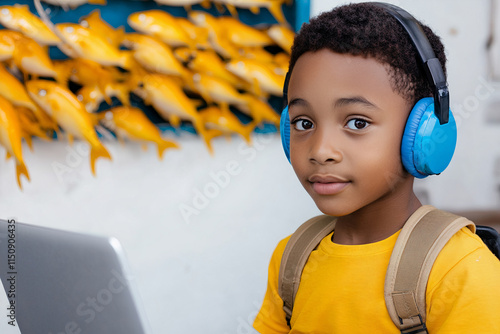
207	273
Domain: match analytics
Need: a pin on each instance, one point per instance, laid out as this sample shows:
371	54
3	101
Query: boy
354	78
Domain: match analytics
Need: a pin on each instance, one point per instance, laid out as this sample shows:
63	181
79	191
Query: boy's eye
303	124
357	124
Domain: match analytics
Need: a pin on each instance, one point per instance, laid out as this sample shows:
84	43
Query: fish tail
127	60
98	2
205	134
29	141
97	152
165	144
124	95
247	132
21	170
277	12
119	35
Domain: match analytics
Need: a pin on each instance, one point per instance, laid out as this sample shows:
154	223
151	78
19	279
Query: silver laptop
57	282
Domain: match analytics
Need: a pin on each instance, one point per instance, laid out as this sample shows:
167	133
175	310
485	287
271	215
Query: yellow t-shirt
342	290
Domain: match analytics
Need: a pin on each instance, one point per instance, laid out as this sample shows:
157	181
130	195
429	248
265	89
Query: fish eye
142	17
5	11
85	23
69	30
42	92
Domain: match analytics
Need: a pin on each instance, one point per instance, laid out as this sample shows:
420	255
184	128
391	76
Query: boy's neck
377	221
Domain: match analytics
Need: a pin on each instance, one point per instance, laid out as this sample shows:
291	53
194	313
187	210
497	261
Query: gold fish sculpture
27	54
216	35
282	36
67	4
154	55
242	34
263	78
20	18
15	92
162	25
63	106
184	3
274	7
259	110
169	100
225	122
208	62
213	89
89	44
94	21
10	137
131	123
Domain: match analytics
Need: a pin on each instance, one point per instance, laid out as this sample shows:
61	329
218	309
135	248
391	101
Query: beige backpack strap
417	247
300	245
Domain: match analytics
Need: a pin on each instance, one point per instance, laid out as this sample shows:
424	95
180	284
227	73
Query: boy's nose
326	148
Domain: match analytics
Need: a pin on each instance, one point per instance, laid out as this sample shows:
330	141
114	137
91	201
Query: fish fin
232	10
119	35
277	12
220	8
205	4
127	59
165	144
207	135
98	2
29	140
247	132
8	155
21	170
124	95
70	139
255	10
98	152
256	87
105	96
174	120
197	103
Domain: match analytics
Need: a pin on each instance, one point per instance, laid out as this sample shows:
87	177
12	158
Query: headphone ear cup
427	146
285	132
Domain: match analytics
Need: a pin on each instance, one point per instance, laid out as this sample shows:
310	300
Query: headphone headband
432	67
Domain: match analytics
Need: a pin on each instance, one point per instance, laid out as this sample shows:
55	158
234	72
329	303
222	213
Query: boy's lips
328	184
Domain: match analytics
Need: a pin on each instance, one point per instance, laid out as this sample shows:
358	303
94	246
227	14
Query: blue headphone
430	134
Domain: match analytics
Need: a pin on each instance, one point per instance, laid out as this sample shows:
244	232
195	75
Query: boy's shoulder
465	252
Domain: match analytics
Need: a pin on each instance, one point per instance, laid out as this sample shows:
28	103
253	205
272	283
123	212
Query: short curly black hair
364	29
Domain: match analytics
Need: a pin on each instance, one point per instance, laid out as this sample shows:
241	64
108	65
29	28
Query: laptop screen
64	282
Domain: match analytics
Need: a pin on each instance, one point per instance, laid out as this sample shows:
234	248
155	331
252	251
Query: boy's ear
427	146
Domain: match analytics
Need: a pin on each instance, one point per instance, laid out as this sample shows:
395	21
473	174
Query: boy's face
346	130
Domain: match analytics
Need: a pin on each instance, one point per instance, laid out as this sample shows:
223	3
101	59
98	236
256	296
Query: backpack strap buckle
417	329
